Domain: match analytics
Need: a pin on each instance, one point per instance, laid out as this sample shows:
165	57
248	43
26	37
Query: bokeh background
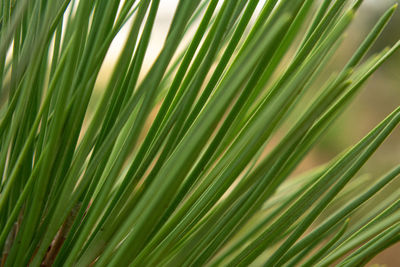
380	96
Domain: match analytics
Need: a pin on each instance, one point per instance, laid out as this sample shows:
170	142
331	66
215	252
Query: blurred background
380	96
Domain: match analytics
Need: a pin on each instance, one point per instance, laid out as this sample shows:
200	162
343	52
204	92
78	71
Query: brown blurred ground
380	96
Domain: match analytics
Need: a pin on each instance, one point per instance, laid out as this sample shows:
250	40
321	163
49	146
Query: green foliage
196	187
